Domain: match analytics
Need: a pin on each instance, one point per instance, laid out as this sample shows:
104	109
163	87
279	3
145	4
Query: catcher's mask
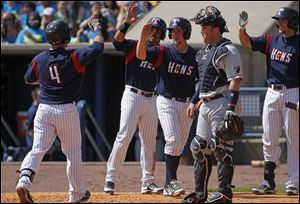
211	16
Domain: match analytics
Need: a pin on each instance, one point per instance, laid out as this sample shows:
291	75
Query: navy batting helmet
159	23
181	23
211	16
57	32
290	14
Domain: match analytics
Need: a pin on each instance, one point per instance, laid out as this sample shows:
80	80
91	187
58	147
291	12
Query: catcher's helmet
211	16
183	24
159	23
57	32
290	14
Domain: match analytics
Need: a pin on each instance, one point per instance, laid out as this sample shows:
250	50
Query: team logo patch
237	69
155	21
175	22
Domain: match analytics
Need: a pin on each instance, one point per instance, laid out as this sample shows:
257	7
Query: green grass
280	189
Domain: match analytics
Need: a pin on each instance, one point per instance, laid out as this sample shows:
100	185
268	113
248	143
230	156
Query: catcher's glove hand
95	24
243	19
231	128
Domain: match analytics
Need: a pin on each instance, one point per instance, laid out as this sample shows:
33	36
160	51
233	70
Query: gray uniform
217	66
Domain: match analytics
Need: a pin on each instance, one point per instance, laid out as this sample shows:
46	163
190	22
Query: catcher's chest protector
208	71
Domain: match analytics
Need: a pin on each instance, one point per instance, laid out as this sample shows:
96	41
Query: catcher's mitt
230	129
94	24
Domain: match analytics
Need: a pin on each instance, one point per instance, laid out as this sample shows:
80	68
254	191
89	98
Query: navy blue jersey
60	72
177	71
138	74
282	58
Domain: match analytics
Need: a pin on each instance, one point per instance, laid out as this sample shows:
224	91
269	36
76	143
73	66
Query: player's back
60	72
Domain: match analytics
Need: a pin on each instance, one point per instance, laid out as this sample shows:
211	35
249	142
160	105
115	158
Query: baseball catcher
220	75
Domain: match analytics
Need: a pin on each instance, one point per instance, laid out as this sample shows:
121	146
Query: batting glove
243	19
95	24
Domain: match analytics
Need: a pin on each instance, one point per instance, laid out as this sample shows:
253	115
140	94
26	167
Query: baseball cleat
173	189
151	188
24	195
290	190
84	198
109	187
263	189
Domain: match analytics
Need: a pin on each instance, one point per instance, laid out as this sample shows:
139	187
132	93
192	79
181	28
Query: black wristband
233	97
124	28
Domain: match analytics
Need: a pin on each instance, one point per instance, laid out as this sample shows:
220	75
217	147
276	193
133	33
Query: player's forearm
233	96
235	84
244	38
119	37
98	36
141	51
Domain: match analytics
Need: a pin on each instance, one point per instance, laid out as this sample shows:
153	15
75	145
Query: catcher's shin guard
202	171
225	172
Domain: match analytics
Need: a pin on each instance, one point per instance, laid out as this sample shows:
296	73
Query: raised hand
146	31
243	19
94	24
132	14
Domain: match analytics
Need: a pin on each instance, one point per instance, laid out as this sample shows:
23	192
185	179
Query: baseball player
282	59
59	72
220	74
137	106
176	86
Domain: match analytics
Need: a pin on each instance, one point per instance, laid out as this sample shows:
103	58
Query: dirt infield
128	197
51	178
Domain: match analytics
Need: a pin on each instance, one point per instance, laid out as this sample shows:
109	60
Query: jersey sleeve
259	44
32	76
125	46
85	55
231	63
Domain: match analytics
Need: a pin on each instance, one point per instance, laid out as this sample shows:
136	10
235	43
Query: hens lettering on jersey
138	74
280	56
180	69
177	71
147	65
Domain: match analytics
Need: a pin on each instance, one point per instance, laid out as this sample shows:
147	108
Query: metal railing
90	127
251	100
10	132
